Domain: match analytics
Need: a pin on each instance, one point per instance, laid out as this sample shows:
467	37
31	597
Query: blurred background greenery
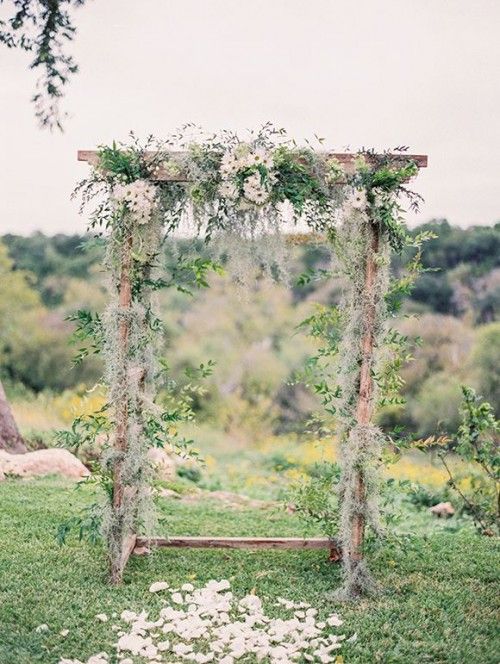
252	418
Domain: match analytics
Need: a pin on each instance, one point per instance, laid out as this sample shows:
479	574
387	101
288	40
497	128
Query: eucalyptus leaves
252	191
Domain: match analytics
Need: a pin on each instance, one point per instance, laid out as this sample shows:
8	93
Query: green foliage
122	162
59	278
190	473
88	328
296	180
485	360
435	408
42	27
316	499
478	442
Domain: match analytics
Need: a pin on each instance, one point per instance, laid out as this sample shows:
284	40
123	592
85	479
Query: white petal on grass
128	616
208	625
102	617
158	586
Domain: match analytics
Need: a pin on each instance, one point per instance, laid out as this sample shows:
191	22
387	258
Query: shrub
477	443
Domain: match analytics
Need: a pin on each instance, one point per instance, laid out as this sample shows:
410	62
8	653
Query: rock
43	462
162	462
442	510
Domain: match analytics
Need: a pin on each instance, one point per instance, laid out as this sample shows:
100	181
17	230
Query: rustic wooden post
122	408
364	407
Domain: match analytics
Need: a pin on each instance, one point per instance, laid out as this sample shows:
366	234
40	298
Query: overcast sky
424	73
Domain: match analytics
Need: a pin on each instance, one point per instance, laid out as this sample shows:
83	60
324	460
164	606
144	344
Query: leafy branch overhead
44	28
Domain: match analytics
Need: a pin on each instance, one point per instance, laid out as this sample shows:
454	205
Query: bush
435	407
477	443
485	363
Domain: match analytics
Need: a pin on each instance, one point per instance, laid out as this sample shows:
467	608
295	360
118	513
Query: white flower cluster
356	201
210	625
256	188
139	197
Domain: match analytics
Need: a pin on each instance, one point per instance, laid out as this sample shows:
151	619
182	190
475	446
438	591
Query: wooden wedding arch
364	406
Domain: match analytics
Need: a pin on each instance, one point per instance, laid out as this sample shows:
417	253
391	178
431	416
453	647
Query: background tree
43	28
17	296
10	438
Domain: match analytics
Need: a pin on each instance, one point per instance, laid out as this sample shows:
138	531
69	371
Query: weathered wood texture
239	542
365	406
121	408
128	545
345	158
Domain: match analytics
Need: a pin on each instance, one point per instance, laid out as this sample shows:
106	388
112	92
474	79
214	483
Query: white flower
260	156
229	190
133	643
139	197
357	200
150	651
229	163
253	189
102	617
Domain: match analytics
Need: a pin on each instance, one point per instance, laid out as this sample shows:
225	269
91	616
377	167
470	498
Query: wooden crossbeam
345	158
239	542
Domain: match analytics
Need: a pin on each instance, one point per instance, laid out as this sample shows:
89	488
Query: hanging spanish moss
347	373
363	257
128	347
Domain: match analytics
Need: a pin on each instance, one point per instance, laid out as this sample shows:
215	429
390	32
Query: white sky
381	73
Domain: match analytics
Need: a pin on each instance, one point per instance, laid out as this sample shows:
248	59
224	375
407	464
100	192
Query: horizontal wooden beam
345	158
239	542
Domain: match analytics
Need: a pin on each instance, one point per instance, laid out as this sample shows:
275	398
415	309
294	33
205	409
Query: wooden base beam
296	543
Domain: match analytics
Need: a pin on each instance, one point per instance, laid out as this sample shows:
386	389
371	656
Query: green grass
440	599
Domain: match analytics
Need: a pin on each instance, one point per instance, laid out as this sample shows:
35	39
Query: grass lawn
440	601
